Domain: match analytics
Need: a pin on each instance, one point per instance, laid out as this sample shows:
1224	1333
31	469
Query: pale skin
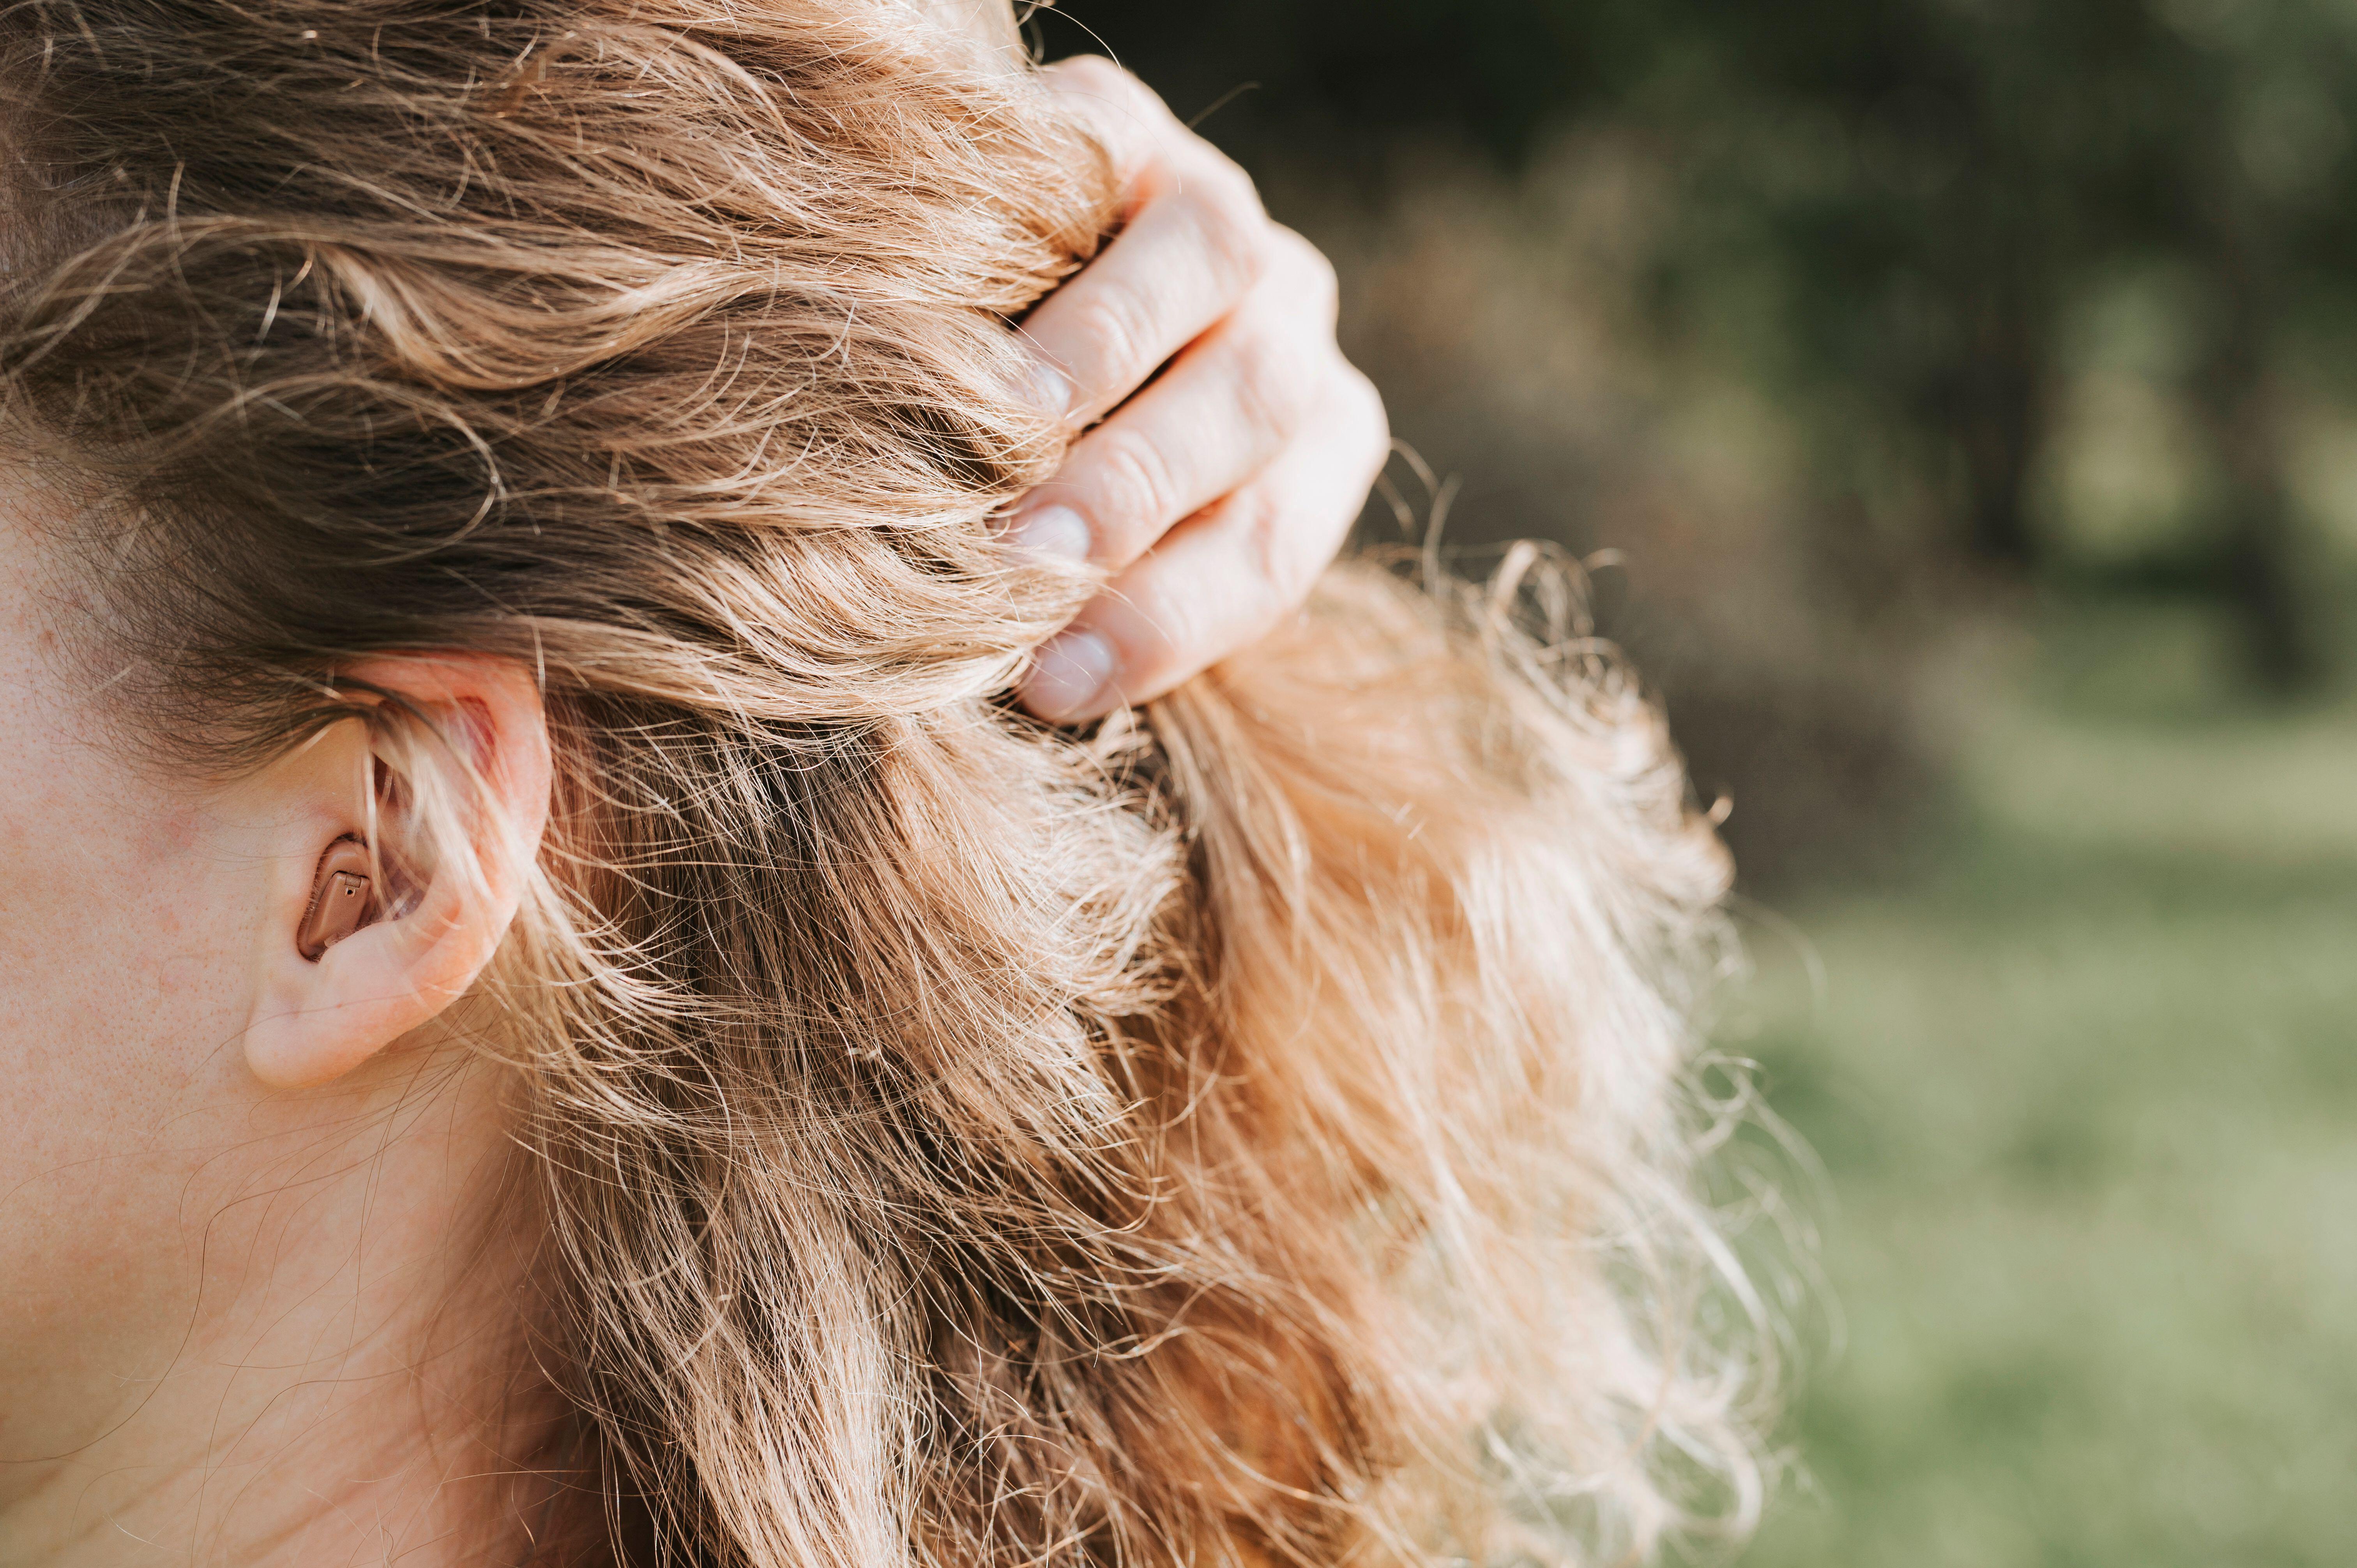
240	1231
252	1207
1215	496
1213	492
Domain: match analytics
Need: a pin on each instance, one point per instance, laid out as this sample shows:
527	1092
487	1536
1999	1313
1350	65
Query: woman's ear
367	933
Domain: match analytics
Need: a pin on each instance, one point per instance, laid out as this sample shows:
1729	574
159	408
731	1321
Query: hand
1217	494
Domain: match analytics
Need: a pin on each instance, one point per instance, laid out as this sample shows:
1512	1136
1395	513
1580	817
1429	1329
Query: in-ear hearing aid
343	898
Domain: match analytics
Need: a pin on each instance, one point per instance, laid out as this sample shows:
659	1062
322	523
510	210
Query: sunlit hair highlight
1247	1131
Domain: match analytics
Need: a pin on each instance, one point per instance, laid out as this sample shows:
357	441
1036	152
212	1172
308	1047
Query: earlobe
348	963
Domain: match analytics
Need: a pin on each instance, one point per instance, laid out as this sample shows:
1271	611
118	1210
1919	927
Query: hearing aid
343	898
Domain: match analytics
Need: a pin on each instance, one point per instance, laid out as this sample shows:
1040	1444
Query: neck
332	1378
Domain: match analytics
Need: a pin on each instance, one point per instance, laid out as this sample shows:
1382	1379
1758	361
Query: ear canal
343	898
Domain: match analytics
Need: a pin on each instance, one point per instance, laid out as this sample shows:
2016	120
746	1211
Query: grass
2085	1090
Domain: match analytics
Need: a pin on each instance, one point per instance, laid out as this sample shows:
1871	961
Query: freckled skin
207	1288
117	1007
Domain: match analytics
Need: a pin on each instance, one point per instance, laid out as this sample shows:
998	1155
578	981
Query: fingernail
1053	533
1049	390
1068	674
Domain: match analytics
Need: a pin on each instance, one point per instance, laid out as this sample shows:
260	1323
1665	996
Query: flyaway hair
1249	1132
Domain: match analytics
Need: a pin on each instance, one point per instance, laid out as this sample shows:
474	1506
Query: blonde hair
1246	1131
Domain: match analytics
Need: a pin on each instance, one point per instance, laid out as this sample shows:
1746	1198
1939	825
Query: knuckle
1178	637
1309	270
1133	490
1159	638
1274	564
1114	320
1234	232
1373	418
1097	75
1234	189
1271	383
1133	125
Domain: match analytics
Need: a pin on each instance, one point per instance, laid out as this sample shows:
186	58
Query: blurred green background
1966	392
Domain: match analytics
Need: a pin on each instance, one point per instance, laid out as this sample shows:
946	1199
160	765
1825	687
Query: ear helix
343	898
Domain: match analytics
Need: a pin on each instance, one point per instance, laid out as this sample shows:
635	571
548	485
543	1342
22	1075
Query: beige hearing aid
343	898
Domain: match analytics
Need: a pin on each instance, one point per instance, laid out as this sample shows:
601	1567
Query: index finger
1132	122
1196	242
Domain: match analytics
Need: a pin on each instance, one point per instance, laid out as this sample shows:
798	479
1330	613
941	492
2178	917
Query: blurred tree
1926	185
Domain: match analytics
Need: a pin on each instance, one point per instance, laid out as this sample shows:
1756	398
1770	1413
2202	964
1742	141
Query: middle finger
1223	411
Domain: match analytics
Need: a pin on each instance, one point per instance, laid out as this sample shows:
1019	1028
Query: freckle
173	830
181	975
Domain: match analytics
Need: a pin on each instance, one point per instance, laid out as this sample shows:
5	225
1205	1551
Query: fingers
1224	576
1219	415
1259	441
1196	242
1127	116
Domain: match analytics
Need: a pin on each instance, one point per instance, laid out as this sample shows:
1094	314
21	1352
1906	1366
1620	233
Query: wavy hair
1245	1132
